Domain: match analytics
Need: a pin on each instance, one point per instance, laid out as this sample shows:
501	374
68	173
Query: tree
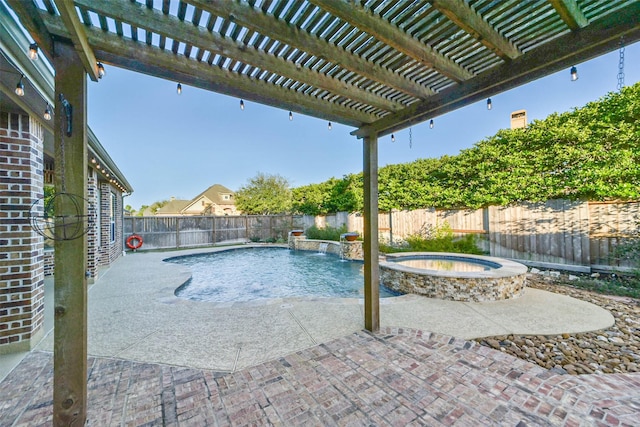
264	194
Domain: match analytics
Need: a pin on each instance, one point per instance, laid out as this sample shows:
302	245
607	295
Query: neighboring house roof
173	207
216	194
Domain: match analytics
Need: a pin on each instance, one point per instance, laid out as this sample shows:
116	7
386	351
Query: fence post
246	227
177	232
213	228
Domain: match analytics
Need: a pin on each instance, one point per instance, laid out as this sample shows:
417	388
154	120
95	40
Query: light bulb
393	138
574	74
329	126
489	104
47	113
431	124
179	89
20	87
241	104
33	51
290	116
101	71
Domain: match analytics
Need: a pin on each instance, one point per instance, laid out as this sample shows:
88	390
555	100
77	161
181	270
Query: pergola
377	65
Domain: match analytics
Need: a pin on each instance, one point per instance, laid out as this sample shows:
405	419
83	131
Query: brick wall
21	255
92	234
109	250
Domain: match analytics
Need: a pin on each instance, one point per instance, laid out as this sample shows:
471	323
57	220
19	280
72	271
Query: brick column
21	248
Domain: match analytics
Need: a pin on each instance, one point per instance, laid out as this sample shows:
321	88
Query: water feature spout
322	247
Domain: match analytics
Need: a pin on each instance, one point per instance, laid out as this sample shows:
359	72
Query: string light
20	87
47	113
242	104
101	71
179	89
33	51
574	74
489	104
329	126
290	116
431	124
393	138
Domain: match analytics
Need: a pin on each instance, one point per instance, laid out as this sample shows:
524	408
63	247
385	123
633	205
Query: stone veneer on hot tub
505	282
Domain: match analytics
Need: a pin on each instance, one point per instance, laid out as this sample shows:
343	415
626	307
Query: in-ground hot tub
456	277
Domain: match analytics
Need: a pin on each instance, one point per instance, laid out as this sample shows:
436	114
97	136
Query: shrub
326	233
435	239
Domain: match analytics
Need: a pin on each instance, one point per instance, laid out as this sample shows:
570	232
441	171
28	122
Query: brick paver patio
396	377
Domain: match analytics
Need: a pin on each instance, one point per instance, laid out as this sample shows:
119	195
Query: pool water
445	264
265	273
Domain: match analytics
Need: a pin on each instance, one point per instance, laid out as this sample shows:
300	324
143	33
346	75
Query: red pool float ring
134	242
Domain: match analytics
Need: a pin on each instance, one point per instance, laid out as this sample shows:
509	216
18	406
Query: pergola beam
29	15
172	27
157	62
78	36
265	23
599	37
570	13
390	34
466	18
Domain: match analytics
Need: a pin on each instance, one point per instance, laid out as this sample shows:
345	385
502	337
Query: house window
225	197
112	217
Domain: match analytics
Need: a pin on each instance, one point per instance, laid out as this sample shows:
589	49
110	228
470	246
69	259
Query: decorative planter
351	237
297	232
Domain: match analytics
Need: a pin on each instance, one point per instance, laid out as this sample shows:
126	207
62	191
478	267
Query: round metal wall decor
68	225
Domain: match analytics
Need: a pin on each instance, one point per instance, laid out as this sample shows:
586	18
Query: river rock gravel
612	350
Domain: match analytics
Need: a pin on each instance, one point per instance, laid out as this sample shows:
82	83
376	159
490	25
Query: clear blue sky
169	145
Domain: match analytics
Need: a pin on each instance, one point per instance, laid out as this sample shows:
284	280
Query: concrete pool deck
158	360
134	315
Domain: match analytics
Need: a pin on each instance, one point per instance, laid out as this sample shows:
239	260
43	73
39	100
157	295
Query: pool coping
507	267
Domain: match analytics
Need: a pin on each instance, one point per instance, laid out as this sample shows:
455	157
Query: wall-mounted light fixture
393	138
431	124
329	126
489	104
242	104
290	116
179	89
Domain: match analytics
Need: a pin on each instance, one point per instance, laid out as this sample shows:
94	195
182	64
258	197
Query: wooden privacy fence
579	234
194	231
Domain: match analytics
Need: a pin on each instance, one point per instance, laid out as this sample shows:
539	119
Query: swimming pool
250	274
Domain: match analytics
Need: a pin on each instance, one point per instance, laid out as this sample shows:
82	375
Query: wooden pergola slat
599	37
143	58
68	14
266	24
170	26
570	13
467	19
394	37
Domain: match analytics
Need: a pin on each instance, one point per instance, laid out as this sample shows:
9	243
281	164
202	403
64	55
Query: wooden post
70	282
177	232
371	264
